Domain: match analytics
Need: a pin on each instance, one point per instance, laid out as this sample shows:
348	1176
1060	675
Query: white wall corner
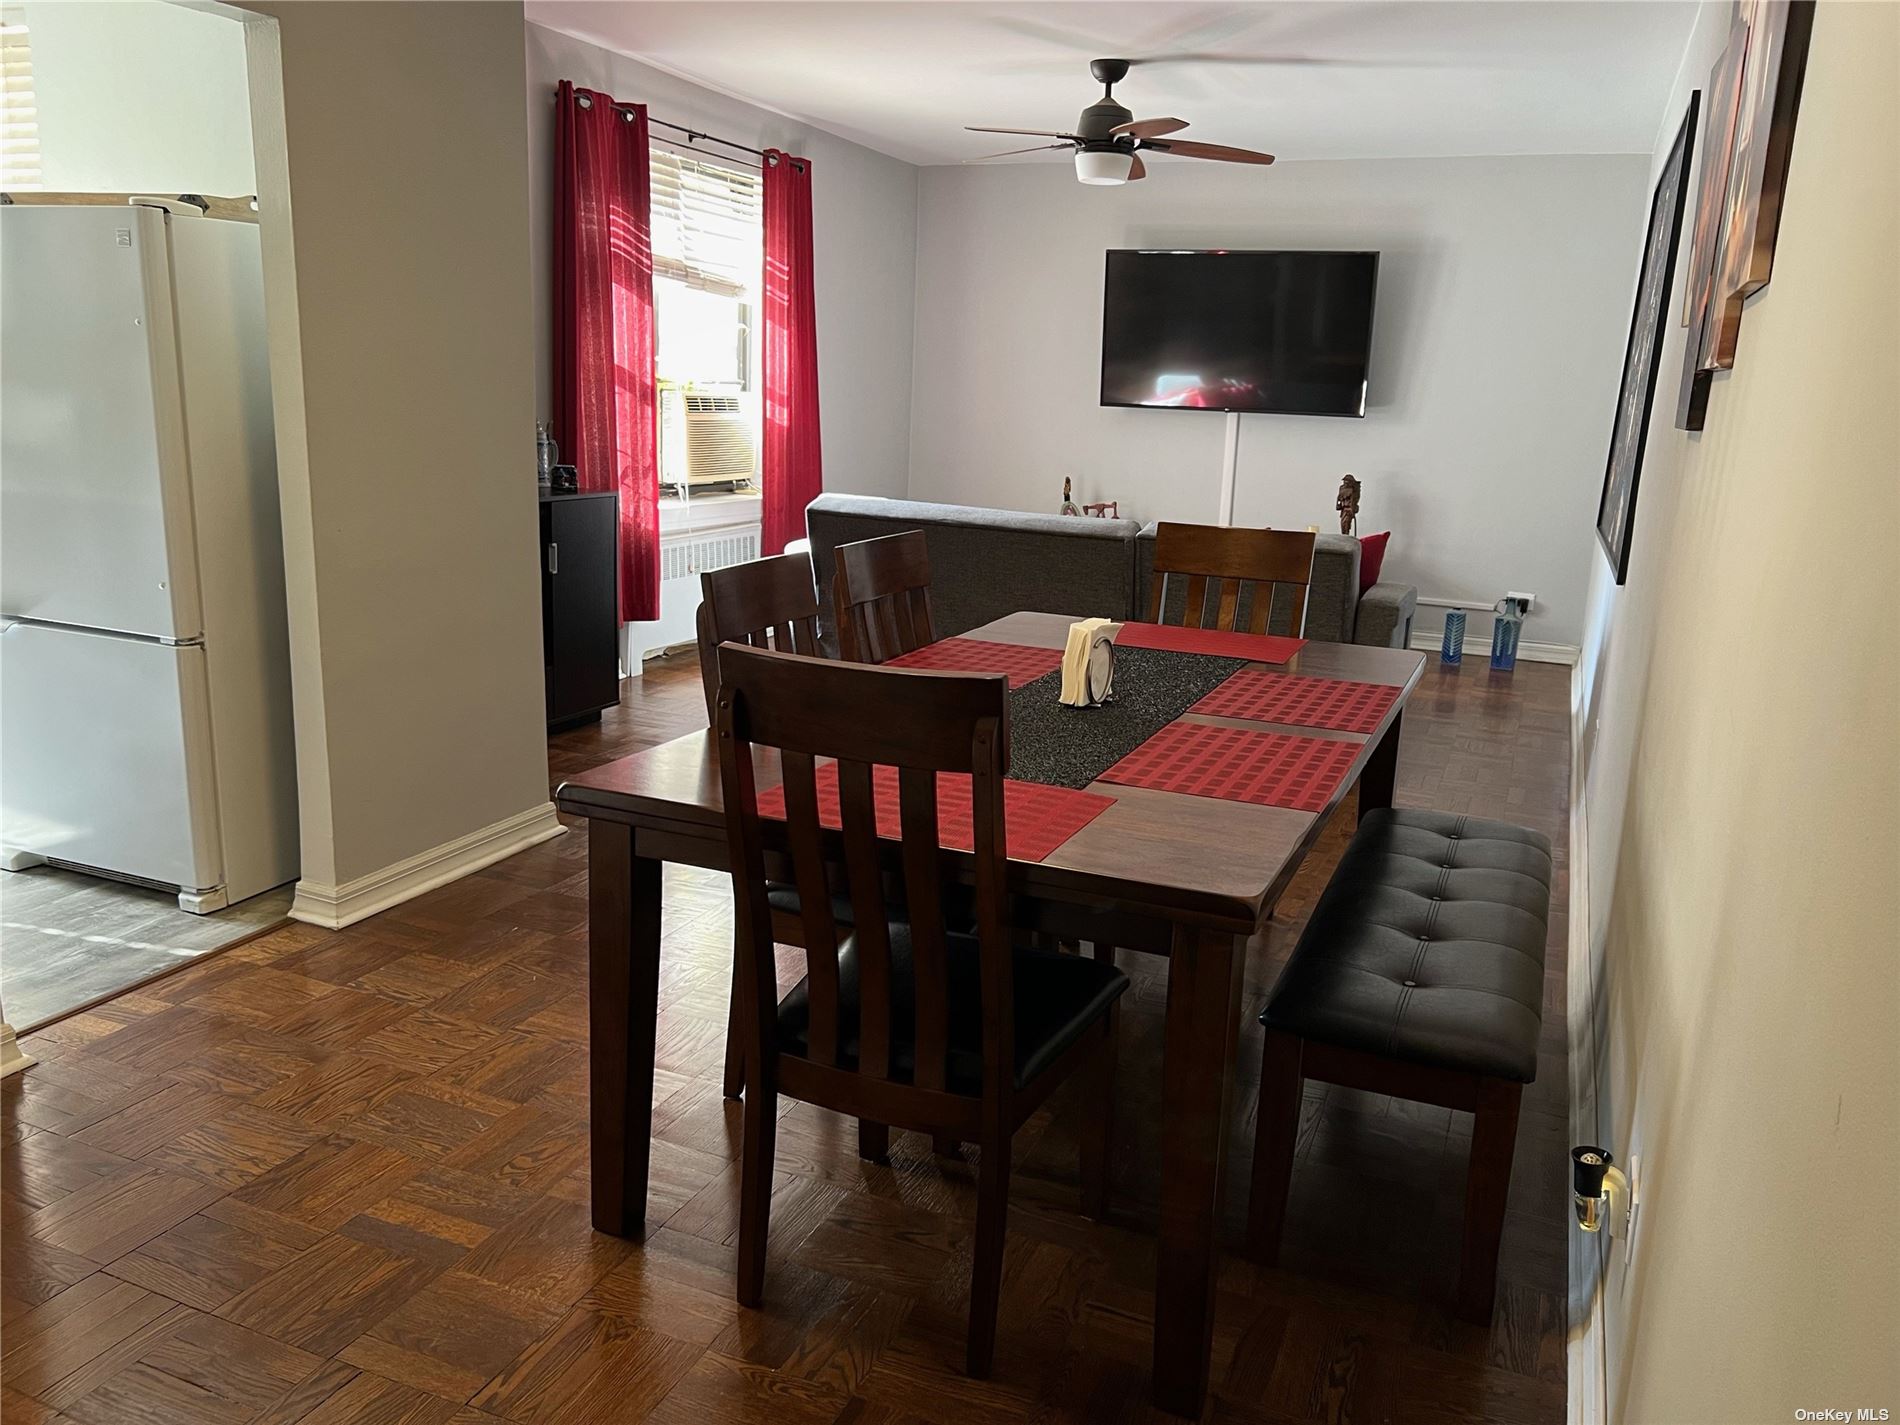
335	906
1586	1365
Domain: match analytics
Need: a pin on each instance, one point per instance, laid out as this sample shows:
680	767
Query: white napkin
1088	663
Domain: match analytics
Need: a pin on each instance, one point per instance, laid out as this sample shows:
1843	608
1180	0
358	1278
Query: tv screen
1281	332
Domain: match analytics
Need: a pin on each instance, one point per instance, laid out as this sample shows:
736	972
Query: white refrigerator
145	715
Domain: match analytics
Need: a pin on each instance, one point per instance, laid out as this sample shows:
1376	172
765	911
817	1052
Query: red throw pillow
1371	559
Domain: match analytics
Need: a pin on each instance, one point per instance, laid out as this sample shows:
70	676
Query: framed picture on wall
1616	511
1698	282
1746	171
1778	33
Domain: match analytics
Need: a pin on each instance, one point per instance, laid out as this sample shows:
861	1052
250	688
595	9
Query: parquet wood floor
334	1177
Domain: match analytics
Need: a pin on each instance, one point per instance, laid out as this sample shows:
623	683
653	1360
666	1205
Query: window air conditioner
706	439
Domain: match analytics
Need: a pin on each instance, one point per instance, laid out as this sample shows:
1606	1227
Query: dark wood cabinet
580	625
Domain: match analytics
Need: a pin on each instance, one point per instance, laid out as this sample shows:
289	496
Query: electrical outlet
1629	1213
1525	601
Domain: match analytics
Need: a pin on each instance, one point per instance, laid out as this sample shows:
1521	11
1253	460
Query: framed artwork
1773	41
1718	147
1616	511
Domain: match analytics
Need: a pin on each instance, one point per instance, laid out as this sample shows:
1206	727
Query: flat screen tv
1281	332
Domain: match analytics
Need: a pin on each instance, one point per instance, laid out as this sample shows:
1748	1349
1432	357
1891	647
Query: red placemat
1037	819
975	655
1255	647
1238	765
1332	703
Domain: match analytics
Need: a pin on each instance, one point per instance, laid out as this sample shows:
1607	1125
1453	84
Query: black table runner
1071	747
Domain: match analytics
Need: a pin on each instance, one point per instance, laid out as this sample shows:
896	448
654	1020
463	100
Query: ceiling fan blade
1150	128
1264	61
1012	152
1222	152
1137	169
1026	133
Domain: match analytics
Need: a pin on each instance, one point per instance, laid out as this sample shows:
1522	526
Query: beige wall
1500	329
393	187
1742	795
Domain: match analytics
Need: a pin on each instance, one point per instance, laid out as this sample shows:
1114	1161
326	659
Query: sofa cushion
1427	945
1371	558
985	564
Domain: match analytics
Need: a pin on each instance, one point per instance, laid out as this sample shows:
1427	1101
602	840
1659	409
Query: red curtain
793	464
605	413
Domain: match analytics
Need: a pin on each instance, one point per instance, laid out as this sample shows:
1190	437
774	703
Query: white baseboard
12	1057
1585	1367
334	907
1478	647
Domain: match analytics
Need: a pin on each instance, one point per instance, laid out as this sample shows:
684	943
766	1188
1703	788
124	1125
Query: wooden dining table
1187	876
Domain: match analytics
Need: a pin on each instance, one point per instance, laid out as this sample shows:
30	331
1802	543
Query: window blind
19	111
707	223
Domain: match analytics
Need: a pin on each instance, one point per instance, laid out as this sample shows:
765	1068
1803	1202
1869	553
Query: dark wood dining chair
767	603
881	595
1220	564
898	1023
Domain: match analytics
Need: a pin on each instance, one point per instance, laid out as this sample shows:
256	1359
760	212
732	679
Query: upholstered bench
1420	975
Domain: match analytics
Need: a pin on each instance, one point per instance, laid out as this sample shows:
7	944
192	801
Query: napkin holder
1088	663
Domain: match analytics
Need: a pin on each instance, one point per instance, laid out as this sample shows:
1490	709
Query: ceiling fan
1109	140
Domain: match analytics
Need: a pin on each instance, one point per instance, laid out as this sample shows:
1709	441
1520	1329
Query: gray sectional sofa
987	563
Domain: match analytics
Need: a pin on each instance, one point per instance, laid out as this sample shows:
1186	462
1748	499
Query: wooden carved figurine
1348	504
1068	499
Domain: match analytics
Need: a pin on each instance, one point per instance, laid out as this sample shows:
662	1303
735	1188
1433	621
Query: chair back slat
814	900
1230	601
870	923
1240	563
923	890
920	614
752	915
986	805
881	597
1196	615
920	723
767	603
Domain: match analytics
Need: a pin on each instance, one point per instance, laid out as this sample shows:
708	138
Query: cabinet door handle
554	558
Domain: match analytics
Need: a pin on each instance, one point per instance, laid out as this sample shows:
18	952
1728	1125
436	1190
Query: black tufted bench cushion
1427	946
1421	975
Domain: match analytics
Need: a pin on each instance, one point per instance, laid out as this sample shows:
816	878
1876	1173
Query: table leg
623	993
1197	1062
1381	770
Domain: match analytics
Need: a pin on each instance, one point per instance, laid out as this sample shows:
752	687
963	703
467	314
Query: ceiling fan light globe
1103	168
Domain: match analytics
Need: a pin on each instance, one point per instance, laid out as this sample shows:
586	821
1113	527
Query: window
19	110
707	248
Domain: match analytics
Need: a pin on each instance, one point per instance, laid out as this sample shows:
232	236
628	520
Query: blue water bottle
1452	651
1504	632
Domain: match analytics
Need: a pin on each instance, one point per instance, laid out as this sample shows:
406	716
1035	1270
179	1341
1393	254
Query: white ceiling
1344	79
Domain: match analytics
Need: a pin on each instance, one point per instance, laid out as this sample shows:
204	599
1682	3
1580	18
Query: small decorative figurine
1348	504
1106	510
1068	499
